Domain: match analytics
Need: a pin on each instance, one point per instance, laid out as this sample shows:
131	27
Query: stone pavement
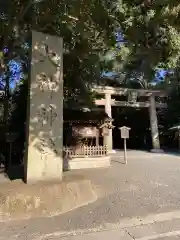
160	230
156	231
145	191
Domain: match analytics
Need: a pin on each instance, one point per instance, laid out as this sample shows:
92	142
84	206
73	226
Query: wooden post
97	140
10	155
125	151
125	135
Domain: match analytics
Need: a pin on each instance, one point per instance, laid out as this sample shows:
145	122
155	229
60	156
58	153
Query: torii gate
133	94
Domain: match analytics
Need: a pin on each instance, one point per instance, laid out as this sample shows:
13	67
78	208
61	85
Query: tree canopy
87	29
151	33
147	33
147	38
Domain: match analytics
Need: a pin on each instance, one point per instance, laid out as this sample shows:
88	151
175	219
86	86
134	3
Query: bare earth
135	200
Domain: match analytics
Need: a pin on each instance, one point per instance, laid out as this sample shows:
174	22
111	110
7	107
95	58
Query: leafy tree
87	36
87	30
147	38
151	33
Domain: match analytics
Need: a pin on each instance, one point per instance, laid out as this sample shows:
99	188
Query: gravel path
148	184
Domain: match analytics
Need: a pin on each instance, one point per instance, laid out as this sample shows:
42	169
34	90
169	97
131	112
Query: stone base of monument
157	150
87	162
112	151
21	201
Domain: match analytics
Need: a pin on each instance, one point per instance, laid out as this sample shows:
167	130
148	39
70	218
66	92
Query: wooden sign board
125	132
84	131
132	97
11	137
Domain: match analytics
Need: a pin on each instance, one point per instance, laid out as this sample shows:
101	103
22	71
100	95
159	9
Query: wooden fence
85	151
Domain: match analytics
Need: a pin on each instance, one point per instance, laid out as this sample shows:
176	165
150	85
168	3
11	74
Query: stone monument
44	156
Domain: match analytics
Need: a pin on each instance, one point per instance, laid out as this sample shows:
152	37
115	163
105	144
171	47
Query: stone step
20	201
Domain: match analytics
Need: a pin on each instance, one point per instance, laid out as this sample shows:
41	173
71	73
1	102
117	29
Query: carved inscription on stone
52	145
46	146
46	83
45	105
43	149
47	115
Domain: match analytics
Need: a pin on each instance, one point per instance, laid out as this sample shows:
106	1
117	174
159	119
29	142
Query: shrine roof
78	116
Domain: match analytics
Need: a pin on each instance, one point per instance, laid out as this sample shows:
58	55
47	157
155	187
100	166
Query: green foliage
152	33
150	29
86	27
87	30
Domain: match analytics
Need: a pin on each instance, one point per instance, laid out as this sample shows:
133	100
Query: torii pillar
154	125
108	140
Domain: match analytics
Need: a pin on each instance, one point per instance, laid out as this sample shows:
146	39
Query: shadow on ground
13	173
